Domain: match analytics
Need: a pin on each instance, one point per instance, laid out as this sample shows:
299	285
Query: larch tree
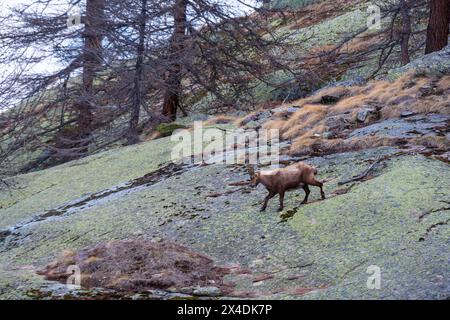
176	52
438	25
94	22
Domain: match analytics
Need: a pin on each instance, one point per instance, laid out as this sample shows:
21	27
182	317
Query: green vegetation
166	129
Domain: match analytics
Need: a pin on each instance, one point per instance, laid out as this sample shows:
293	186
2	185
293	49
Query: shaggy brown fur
279	181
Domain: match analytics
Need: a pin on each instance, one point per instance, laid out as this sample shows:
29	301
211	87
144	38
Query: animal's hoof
280	209
262	210
304	202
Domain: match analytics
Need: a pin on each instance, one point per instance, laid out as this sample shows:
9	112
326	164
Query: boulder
367	114
433	63
256	120
337	123
285	111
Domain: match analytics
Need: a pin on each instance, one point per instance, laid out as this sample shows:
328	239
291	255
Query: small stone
253	125
328	135
407	114
337	123
365	115
207	292
362	115
137	296
187	290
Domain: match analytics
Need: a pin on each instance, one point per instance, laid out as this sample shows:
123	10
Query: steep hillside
387	206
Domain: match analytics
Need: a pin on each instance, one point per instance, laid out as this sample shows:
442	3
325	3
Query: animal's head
256	179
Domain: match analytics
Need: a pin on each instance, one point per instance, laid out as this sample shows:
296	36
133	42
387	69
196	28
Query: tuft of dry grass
329	146
433	142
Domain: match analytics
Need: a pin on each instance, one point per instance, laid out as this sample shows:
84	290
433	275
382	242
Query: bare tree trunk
133	135
174	77
437	33
406	32
92	52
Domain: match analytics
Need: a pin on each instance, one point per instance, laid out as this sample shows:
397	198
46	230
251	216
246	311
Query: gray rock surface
408	127
433	63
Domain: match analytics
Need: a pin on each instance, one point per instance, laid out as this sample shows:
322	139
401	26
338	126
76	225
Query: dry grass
433	142
408	93
329	146
303	120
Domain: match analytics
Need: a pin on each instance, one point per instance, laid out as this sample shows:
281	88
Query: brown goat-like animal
279	181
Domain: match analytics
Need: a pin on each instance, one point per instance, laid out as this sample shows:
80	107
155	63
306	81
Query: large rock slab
407	127
392	221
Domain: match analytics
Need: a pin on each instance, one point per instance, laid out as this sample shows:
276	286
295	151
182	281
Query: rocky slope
385	158
395	218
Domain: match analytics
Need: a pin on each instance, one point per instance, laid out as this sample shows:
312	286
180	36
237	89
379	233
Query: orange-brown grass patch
304	119
329	146
444	84
433	142
300	122
407	94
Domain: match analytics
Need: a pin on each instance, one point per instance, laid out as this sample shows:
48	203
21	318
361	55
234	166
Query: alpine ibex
279	181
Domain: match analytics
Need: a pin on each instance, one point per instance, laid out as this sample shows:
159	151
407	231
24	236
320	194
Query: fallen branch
363	174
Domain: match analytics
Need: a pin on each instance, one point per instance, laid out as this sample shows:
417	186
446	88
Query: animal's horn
251	170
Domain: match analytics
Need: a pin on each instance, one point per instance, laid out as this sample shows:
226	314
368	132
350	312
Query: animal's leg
307	192
266	200
311	180
281	201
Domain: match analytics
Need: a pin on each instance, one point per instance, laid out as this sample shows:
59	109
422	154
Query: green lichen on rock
379	223
436	63
166	129
43	190
393	221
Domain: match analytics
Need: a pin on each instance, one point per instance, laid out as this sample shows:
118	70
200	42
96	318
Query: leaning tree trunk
92	51
437	33
173	81
133	134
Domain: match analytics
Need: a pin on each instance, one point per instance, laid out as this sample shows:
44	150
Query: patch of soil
138	266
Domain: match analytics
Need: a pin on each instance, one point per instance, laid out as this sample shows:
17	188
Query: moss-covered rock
166	129
436	63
